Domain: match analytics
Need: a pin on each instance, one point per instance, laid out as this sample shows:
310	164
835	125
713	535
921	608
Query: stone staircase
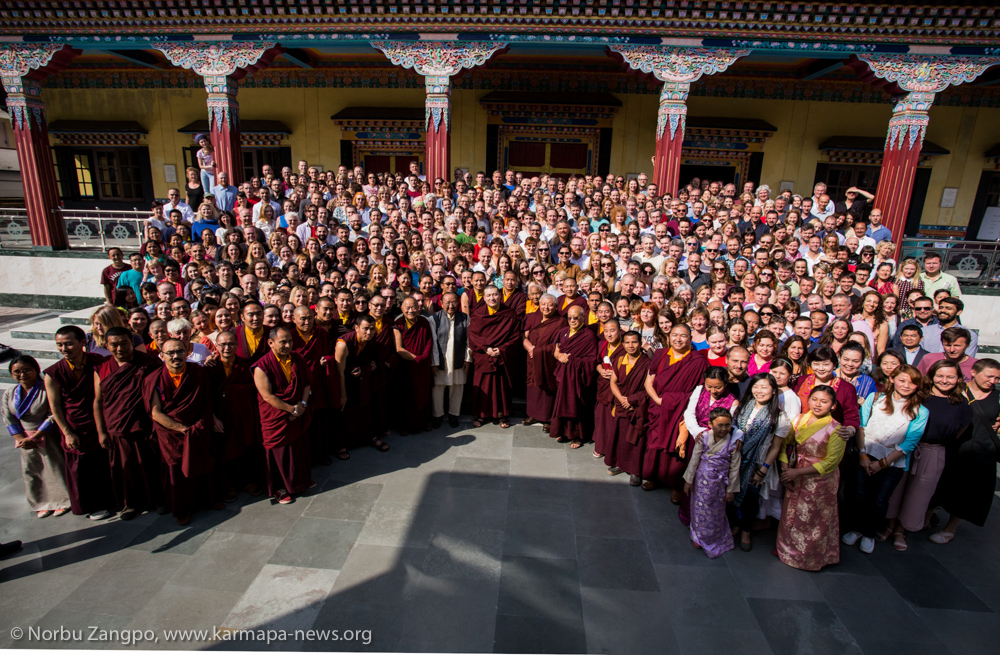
36	337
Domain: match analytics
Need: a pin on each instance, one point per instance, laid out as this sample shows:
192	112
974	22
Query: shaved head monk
494	331
540	331
69	385
356	355
123	425
178	399
473	299
250	338
313	345
576	354
283	389
627	435
413	370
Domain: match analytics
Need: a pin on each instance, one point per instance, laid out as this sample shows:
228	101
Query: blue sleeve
866	409
913	433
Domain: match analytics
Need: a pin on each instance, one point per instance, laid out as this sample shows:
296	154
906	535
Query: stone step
79	317
37	348
43	330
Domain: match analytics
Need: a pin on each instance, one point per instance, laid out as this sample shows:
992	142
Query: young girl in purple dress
711	480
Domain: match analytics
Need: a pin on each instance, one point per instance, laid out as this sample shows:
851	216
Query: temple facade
899	100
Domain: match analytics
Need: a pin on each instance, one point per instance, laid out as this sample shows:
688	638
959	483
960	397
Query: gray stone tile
344	501
25	600
963	632
762	575
539	534
612	515
669	544
413	488
934	588
540	587
802	626
165	536
12	502
317	543
379	575
880	646
488	446
720	639
375	627
450	615
989	595
464	551
540	495
124	584
539	463
480	473
64	628
857	598
532	634
483	507
265	517
609	563
709	593
228	561
633	622
399	524
533	437
181	608
282	598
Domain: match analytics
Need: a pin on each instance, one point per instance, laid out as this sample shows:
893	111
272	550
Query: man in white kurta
450	334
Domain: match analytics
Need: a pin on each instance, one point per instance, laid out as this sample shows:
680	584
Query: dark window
840	178
107	175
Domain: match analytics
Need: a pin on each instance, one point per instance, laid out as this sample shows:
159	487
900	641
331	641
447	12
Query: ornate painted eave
772	23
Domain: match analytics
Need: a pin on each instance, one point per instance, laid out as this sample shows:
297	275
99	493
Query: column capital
19	59
926	74
438	58
678	64
216	59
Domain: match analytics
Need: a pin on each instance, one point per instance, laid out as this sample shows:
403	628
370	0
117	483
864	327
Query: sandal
899	542
343	455
575	444
942	537
478	423
884	534
380	445
60	512
44	513
746	547
597	455
504	423
528	421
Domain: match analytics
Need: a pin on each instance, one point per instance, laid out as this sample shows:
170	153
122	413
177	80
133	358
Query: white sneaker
867	545
851	538
100	516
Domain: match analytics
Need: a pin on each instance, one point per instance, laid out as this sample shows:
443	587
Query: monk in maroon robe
124	426
626	442
607	355
313	345
413	369
282	379
571	298
474	300
576	352
357	355
673	375
493	334
384	339
512	297
250	337
344	317
69	385
241	452
180	402
541	329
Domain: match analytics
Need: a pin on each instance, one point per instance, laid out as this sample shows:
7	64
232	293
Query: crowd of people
761	355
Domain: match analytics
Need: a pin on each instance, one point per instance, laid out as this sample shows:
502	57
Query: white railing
86	229
14	230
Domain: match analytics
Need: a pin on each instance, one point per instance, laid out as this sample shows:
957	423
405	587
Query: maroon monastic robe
571	413
135	457
579	301
517	301
491	383
541	366
603	420
243	349
362	390
413	379
88	468
382	377
286	448
476	306
234	396
627	441
674	384
187	456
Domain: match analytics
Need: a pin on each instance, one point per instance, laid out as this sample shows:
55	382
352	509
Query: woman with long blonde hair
103	319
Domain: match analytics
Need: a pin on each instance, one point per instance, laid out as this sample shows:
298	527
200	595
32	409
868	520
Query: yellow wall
790	155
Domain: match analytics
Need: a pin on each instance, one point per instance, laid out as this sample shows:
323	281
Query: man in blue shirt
225	194
876	230
133	277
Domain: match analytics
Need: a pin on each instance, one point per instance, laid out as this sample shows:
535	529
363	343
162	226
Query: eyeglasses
175	353
538	272
767	313
720	268
922	309
711	250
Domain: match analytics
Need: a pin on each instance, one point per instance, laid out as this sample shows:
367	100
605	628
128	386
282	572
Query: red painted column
437	110
34	155
670	122
903	142
224	125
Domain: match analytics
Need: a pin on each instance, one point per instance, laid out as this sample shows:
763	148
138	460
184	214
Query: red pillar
670	123
903	142
224	125
34	155
437	110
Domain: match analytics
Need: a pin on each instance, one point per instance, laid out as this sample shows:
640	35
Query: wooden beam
821	68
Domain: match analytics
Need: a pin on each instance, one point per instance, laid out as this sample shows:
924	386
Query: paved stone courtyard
483	540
